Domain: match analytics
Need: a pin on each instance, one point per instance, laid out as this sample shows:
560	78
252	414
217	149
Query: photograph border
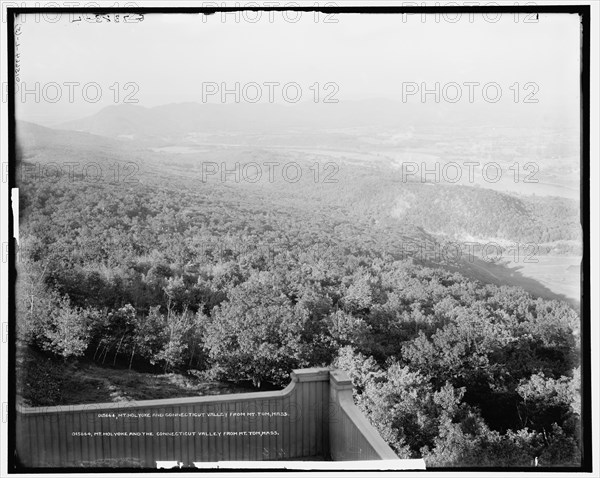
585	311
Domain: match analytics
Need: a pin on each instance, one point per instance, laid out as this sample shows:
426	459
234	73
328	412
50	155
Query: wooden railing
351	436
312	418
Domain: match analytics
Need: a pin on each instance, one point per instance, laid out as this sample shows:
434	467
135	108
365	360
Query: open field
560	274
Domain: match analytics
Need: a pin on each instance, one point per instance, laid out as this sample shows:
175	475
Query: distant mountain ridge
180	119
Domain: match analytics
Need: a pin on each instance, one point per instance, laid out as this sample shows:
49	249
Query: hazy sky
169	57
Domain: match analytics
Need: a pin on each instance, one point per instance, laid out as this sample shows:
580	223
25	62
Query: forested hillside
244	282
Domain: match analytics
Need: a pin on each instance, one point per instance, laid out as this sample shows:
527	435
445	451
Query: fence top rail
161	403
297	376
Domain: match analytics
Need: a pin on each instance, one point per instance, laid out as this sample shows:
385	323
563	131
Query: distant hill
32	137
180	119
70	150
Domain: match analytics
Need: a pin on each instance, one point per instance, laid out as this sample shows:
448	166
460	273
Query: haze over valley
372	163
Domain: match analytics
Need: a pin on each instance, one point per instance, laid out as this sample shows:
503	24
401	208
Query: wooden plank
204	440
269	423
89	454
38	439
326	417
280	424
21	437
170	440
265	423
117	443
87	443
45	438
191	454
233	440
286	438
261	423
241	442
101	442
224	428
41	441
183	441
102	449
24	437
253	440
194	452
248	440
318	419
87	448
118	453
114	447
314	415
48	431
64	434
173	426
77	440
70	439
52	441
141	441
191	442
33	434
278	405
180	442
135	440
127	440
24	430
301	416
162	443
218	441
138	445
31	458
149	441
324	427
272	441
208	441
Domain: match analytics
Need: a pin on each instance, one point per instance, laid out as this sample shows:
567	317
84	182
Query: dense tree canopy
239	286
